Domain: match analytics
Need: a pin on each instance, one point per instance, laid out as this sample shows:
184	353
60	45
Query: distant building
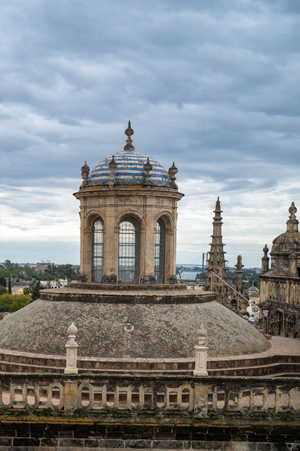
40	267
280	284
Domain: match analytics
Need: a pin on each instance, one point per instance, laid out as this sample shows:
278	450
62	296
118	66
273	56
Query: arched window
159	251
98	248
129	250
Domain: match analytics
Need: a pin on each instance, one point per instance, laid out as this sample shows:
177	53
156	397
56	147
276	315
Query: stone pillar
265	260
201	400
71	346
70	396
201	354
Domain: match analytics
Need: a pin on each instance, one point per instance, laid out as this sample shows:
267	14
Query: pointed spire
129	132
292	223
216	261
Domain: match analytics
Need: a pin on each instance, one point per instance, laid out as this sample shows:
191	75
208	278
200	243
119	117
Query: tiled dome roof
130	168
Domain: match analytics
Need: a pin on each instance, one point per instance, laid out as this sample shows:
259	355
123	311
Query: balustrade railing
159	394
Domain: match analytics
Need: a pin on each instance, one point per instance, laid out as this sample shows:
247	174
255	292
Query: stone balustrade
157	394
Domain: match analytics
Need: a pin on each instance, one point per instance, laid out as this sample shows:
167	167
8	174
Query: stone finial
239	266
292	222
85	170
201	353
265	260
112	175
71	346
72	331
202	332
129	132
172	171
292	211
147	168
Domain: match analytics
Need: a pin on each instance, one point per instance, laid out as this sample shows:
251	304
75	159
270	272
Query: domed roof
129	167
290	240
157	330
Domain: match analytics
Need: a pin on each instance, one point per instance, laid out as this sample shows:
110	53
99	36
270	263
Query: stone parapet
202	396
128	296
127	287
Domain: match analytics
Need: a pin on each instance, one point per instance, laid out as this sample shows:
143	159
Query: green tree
2	289
2	281
7	264
30	273
12	303
9	284
35	288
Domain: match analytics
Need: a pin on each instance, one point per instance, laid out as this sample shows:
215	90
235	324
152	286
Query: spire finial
172	171
85	175
292	223
292	211
129	132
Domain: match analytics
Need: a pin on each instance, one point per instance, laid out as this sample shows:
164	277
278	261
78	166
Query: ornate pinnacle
113	164
129	132
172	171
85	174
265	250
147	169
112	176
239	265
292	223
292	211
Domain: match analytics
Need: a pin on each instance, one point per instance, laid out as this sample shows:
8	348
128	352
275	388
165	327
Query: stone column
201	354
71	346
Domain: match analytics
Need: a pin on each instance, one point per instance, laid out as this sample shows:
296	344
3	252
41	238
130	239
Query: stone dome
159	325
290	240
130	169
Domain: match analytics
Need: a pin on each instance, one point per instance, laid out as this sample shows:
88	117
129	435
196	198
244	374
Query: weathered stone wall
79	436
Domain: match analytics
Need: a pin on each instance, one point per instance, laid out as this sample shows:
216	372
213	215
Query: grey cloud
212	85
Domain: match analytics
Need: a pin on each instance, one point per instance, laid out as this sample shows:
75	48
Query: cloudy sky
210	84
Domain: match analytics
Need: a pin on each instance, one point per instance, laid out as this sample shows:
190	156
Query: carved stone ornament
85	174
172	171
149	280
172	280
109	278
292	211
147	169
82	278
112	175
129	132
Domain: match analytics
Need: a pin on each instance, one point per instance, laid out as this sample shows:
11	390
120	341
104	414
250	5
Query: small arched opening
98	250
159	251
129	250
